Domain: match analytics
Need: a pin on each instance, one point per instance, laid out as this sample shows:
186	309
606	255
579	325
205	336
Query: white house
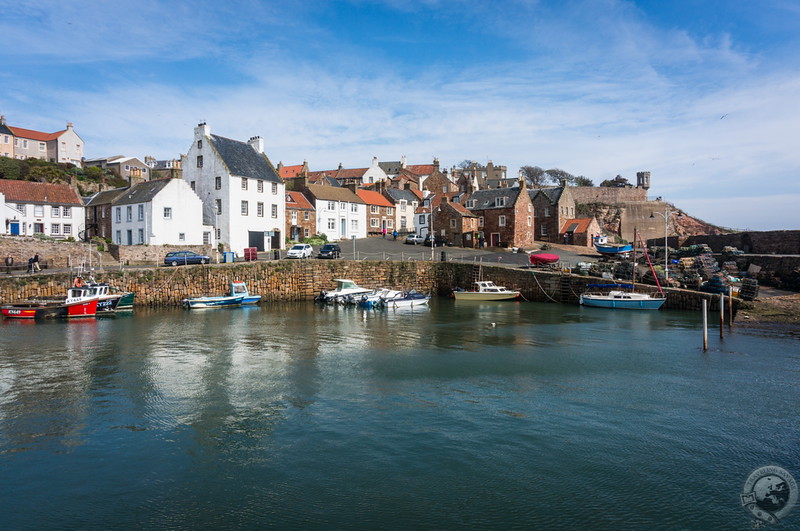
41	208
159	212
243	196
406	203
341	214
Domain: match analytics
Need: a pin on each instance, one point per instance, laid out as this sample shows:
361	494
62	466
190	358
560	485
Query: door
276	240
494	239
344	228
256	239
130	237
15	228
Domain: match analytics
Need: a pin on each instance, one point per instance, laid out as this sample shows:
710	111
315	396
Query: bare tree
535	175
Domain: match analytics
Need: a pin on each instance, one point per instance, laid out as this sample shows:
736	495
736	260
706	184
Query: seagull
723	116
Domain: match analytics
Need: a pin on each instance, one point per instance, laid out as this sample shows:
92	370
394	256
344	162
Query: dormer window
500	202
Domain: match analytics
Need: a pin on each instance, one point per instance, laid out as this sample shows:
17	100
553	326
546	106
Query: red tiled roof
582	224
462	210
35	135
421	169
419	194
371	197
287	172
297	200
345	173
30	192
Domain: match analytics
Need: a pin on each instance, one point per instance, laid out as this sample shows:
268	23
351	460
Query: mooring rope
533	273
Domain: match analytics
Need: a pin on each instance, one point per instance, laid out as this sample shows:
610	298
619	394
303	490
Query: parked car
177	258
330	250
439	241
301	250
413	239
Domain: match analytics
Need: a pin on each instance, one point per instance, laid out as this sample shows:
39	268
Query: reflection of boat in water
624	300
486	291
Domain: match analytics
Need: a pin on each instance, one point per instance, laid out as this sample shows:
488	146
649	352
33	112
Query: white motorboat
485	290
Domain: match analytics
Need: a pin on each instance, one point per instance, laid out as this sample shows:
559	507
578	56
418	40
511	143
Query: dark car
330	250
177	258
439	241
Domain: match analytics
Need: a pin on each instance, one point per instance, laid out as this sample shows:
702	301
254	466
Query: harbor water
461	415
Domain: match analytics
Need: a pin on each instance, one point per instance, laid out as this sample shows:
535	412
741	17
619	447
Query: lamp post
432	235
665	215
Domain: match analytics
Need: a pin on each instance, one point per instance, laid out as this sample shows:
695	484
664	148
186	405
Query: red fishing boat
78	303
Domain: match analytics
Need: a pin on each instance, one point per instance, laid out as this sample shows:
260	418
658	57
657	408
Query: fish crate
749	289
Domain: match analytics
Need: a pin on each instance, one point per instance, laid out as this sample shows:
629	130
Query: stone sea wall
303	279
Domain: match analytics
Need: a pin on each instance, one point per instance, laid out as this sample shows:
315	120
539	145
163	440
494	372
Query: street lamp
665	215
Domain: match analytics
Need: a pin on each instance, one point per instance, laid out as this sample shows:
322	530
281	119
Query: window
119	215
544	230
342	206
354	208
354	225
245	208
67	229
167	212
24	143
331	224
374	209
55	229
118	237
182	236
42	146
422	219
402	222
127	167
547	212
67	212
55	211
502	221
500	202
199	161
452	223
294	217
141	212
6	139
331	205
274	211
141	236
219	208
192	185
306	232
274	188
390	211
403	205
199	144
530	208
129	213
260	186
480	221
470	203
244	183
219	234
530	221
260	209
38	211
206	238
306	215
217	183
373	222
389	223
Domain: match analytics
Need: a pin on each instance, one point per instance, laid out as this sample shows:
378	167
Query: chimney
201	131
257	143
403	161
436	163
280	166
69	125
2	120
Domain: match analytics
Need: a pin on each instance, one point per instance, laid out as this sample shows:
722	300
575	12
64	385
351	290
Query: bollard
276	254
705	325
444	256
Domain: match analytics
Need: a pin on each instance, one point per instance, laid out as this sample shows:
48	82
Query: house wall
186	219
28	148
7	146
602	194
374	173
299	224
68	147
327	218
241	224
67	226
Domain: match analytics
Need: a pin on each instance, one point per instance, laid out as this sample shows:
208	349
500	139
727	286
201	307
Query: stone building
505	216
553	206
301	218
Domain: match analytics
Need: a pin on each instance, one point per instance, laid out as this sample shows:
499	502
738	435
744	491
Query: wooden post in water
721	316
705	325
730	307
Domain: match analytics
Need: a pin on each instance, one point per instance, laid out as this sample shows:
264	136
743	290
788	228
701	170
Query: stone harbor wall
303	279
53	253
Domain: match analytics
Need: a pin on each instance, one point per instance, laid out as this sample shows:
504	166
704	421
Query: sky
704	94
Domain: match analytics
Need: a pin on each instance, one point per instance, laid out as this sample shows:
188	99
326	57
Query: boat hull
602	301
476	296
212	302
51	311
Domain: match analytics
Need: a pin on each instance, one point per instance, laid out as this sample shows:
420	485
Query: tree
466	163
557	176
580	180
9	169
617	182
534	174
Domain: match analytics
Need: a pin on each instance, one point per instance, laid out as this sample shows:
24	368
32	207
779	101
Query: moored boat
240	288
405	299
346	292
220	301
373	300
485	290
619	299
77	304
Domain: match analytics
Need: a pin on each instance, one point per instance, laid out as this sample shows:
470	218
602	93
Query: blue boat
240	288
622	300
613	249
213	302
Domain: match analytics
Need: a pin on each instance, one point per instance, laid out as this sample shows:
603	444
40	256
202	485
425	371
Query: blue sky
705	94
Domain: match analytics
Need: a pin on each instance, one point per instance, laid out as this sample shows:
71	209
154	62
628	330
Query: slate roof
142	192
487	199
105	197
333	193
552	194
297	201
44	193
5	130
243	161
391	168
399	195
371	197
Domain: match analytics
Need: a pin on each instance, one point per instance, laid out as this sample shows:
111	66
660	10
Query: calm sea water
478	415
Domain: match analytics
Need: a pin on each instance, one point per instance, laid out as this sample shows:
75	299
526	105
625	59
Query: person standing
383	231
9	263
